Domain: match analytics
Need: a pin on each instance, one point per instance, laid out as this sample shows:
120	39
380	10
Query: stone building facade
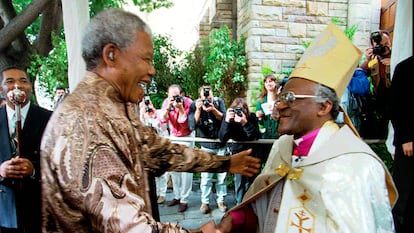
275	30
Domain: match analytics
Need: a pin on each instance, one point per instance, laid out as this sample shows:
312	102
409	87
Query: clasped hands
16	168
240	163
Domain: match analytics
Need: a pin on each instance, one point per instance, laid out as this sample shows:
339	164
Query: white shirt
11	113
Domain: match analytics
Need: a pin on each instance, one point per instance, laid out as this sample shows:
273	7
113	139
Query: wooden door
387	20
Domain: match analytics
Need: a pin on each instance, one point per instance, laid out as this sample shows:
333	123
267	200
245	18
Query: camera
206	93
147	102
178	98
379	49
238	111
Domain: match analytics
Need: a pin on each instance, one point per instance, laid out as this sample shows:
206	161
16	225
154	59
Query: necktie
13	137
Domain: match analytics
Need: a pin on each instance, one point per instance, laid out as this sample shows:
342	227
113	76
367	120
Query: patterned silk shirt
95	158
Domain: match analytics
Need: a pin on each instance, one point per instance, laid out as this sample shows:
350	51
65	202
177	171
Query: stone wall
275	30
217	14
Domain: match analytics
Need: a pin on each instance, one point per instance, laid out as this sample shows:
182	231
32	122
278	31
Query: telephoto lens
206	93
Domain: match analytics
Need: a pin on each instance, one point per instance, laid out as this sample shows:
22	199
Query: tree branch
18	24
52	19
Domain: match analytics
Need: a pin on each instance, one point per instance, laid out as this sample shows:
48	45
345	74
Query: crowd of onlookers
208	117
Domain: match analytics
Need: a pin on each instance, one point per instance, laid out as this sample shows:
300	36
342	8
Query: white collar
10	112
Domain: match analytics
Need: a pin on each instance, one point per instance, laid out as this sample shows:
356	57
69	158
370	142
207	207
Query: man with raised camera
378	59
377	64
175	110
205	117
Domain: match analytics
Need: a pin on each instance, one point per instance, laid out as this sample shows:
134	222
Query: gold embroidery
300	218
303	221
304	197
292	173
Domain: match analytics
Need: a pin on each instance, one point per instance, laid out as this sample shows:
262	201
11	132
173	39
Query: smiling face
16	77
270	84
303	115
130	68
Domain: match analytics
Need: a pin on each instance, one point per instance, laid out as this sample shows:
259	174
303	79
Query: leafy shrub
225	65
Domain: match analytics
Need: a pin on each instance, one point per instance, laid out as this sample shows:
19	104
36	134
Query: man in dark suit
20	188
402	121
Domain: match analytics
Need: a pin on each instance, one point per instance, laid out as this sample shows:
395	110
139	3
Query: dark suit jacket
400	101
27	193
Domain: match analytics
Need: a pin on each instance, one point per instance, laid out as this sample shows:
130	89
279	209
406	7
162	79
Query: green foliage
167	69
266	70
226	65
193	71
350	31
306	44
96	6
255	92
51	71
381	150
144	5
150	5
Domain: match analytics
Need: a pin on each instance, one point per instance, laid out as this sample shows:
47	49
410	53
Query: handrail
259	141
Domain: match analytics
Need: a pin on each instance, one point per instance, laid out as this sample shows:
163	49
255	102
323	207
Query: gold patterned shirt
95	158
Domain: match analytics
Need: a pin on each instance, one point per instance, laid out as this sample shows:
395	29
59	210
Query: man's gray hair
324	94
110	26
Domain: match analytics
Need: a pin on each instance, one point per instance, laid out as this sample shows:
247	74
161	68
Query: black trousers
8	230
403	176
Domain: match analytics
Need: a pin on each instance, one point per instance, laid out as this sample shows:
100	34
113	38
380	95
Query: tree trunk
52	19
13	43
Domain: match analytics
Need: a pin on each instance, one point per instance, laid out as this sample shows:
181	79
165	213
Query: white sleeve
355	195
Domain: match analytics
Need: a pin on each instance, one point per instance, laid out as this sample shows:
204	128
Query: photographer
151	117
377	62
175	110
378	59
205	117
240	125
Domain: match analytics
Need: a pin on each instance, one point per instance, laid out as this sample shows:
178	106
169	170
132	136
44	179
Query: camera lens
178	99
239	111
376	37
379	49
206	103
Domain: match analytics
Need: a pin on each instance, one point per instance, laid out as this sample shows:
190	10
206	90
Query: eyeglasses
290	97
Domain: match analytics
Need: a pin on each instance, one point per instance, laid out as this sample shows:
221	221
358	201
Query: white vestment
341	186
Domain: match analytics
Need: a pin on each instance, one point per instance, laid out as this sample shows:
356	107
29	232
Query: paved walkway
192	218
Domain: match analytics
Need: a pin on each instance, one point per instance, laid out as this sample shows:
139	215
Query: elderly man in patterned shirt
96	155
